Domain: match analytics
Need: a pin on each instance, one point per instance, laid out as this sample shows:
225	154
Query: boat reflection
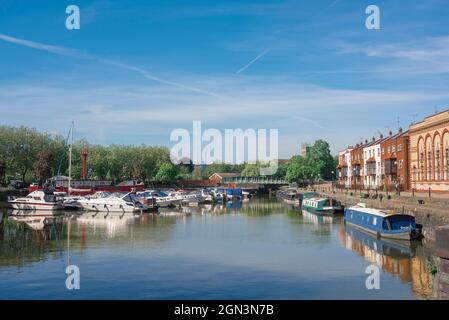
403	259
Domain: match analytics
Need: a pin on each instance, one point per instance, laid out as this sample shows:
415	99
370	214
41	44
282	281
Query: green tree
322	161
167	173
43	166
198	173
298	169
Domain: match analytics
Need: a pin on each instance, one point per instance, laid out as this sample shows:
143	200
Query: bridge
262	180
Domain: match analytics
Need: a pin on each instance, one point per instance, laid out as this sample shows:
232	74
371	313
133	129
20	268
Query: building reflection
403	259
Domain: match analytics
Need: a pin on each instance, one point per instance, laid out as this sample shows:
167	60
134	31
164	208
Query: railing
255	180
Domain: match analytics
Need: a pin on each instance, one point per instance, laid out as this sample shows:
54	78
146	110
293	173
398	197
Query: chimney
400	130
374	139
381	136
391	133
366	140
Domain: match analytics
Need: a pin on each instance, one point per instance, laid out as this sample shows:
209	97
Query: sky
135	71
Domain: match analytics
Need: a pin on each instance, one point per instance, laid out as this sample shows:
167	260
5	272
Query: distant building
218	177
305	147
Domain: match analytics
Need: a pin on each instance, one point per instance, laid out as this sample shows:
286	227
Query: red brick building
395	160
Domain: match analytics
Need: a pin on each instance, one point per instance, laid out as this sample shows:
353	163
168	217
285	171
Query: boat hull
36	206
109	208
321	212
406	235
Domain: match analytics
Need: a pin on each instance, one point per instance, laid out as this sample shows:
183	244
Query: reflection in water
404	259
181	251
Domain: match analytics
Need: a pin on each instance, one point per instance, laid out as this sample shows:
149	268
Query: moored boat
322	206
37	200
111	202
383	224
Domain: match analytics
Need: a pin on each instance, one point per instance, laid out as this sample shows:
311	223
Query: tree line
29	155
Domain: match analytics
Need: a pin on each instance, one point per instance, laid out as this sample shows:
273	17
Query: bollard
430	193
413	192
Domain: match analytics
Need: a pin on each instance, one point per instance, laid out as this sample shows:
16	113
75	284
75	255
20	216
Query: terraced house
416	159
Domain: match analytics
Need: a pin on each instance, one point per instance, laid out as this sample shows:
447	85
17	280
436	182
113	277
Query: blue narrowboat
382	223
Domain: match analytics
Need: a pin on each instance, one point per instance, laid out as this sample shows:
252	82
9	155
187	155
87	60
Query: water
261	250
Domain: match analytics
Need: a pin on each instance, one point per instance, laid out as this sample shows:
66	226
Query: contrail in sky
80	55
260	55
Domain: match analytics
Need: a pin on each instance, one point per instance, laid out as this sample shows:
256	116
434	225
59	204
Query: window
421	166
400	163
447	163
375	221
429	165
393	149
437	164
388	149
399	147
383	150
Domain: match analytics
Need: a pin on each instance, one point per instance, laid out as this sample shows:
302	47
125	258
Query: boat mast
70	159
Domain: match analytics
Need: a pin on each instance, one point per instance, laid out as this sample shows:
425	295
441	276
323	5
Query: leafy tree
321	159
138	171
43	166
198	173
167	173
298	169
2	171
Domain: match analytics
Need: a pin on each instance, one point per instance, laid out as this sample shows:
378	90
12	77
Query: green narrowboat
322	206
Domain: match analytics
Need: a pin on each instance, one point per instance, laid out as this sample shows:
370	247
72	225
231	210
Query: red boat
86	187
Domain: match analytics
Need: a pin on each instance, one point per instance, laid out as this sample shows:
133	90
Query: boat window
401	221
37	198
375	221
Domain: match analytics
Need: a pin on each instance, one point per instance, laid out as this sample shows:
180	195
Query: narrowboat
322	206
383	224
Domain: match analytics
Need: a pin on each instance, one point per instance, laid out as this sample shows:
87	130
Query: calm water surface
261	250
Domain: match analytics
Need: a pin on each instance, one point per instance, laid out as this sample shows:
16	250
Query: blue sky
137	70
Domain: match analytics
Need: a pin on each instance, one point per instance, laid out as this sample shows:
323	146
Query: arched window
421	164
446	155
438	161
429	158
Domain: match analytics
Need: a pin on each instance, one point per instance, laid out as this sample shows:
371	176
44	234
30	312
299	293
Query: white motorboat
111	202
37	200
166	199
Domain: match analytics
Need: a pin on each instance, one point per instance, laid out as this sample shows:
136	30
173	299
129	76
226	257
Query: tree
251	169
138	171
322	161
42	168
298	169
167	173
198	173
2	171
